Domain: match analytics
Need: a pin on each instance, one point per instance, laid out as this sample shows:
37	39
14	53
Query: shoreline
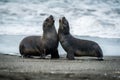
84	68
13	42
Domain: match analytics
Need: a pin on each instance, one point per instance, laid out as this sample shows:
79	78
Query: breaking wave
97	18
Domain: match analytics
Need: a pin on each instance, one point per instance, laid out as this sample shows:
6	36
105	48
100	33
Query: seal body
74	46
41	45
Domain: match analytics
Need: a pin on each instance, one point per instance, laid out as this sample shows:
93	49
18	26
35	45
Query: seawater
9	44
97	20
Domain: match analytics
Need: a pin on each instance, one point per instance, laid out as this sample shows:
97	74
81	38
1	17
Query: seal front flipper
55	54
70	55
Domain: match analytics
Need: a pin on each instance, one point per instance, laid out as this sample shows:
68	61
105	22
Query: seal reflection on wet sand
41	45
74	46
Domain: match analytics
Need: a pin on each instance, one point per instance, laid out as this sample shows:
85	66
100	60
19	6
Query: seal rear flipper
70	55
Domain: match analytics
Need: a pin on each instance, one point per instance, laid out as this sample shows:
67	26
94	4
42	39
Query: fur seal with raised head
41	45
74	46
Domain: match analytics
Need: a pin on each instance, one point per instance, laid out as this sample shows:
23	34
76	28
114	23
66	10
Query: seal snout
63	22
60	24
51	17
63	18
49	20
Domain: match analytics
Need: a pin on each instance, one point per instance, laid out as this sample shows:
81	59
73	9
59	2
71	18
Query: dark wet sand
17	68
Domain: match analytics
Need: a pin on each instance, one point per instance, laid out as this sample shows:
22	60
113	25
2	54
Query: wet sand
83	68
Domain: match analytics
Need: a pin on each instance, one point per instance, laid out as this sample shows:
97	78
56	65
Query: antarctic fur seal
74	46
41	45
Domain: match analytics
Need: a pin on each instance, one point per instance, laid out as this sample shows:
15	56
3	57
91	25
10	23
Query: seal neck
51	33
64	32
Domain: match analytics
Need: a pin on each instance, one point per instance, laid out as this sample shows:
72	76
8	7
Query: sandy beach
83	68
94	20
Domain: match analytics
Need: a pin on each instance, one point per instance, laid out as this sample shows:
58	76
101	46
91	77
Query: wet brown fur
74	46
41	45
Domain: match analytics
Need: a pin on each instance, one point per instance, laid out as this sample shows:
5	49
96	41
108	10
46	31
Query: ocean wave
97	18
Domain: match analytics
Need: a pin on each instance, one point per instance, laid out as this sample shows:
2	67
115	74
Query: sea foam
96	18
